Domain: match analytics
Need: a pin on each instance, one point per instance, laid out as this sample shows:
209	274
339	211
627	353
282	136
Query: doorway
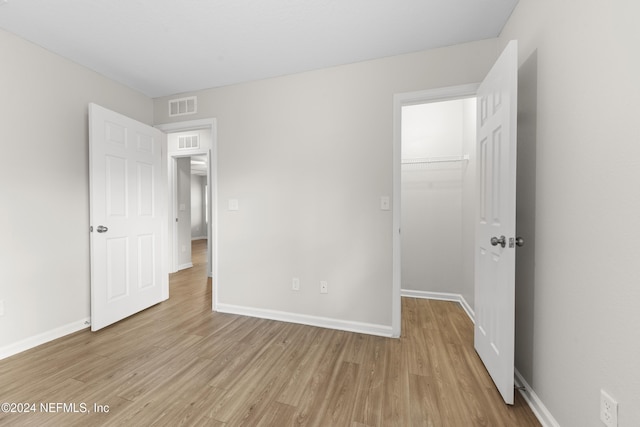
195	142
190	206
437	200
433	206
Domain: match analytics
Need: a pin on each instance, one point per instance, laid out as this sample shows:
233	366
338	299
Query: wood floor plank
370	393
179	363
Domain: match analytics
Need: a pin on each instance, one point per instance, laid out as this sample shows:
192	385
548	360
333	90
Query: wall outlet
608	410
295	284
324	287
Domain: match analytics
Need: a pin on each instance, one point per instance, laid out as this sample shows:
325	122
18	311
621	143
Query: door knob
102	229
502	241
519	241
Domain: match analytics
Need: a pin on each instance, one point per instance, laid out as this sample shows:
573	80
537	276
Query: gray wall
44	215
469	205
198	214
308	156
578	281
183	199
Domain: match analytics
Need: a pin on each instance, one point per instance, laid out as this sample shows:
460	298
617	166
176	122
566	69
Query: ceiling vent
187	142
183	106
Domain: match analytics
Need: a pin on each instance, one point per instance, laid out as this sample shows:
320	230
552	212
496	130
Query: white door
128	216
496	221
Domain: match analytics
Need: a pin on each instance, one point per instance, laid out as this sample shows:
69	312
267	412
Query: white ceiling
164	47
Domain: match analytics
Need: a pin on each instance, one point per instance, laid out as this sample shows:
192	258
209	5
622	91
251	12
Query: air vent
186	142
183	106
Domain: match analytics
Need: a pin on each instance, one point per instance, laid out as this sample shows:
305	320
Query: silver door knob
519	241
102	229
502	241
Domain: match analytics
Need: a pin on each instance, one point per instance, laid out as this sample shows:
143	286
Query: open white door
496	221
128	216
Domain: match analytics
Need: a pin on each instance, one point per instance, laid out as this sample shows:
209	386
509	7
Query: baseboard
199	238
442	296
45	337
537	407
185	266
322	322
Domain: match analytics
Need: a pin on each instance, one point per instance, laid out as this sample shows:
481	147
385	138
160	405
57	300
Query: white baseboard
185	266
442	296
537	407
322	322
199	238
31	342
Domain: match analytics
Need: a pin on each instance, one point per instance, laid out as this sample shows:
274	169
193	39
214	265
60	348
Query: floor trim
45	337
322	322
442	296
537	407
185	266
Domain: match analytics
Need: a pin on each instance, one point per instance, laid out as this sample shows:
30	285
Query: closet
437	182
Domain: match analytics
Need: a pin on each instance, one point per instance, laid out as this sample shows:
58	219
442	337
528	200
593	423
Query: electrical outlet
324	287
608	410
295	284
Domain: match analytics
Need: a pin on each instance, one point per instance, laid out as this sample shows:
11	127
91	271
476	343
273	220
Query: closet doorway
436	141
434	177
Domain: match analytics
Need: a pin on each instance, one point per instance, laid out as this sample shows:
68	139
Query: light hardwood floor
179	363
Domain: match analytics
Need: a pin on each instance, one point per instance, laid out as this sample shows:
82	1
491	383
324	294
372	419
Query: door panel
127	198
496	207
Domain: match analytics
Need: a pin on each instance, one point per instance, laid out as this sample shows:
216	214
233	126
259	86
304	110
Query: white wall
469	202
44	215
198	215
183	199
432	210
578	281
308	157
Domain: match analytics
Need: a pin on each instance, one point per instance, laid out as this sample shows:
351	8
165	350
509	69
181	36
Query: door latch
516	241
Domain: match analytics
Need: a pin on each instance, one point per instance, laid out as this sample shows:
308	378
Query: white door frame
400	100
212	185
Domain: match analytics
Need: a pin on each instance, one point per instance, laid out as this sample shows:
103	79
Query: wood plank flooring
178	364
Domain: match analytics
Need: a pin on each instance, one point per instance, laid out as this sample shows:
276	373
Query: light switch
385	203
234	205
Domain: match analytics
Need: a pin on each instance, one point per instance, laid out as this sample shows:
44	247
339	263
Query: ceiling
164	47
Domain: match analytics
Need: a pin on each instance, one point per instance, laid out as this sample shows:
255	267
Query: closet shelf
441	159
